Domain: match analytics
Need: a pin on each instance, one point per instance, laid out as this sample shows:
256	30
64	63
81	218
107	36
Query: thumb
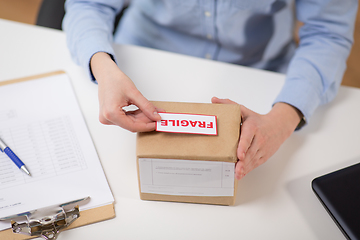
146	107
245	111
222	100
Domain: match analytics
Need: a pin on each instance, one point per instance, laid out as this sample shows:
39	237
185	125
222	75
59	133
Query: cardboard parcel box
191	167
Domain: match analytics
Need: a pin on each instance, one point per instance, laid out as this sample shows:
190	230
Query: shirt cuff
301	95
90	74
86	51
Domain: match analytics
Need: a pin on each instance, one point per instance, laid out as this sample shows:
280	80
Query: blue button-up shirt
255	33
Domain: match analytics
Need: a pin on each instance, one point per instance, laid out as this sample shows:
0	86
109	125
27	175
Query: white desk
275	201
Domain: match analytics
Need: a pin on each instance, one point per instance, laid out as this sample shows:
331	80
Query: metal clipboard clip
46	222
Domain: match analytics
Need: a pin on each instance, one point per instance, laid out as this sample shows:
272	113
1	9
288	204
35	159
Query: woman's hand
116	91
262	135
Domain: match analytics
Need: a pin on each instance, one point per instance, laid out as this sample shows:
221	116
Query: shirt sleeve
89	26
316	70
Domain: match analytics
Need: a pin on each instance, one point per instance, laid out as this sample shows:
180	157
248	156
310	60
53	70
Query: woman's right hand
116	90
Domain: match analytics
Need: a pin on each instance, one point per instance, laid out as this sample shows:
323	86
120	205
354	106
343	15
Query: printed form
42	123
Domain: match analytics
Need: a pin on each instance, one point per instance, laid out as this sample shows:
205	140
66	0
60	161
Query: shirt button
207	14
208	56
209	36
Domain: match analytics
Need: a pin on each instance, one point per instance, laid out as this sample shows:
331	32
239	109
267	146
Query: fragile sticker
187	123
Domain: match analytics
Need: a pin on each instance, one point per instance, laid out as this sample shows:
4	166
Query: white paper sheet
40	120
186	177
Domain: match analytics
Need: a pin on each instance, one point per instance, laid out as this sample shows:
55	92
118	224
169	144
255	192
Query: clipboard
86	217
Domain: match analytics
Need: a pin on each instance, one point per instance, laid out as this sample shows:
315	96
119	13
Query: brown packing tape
193	147
86	217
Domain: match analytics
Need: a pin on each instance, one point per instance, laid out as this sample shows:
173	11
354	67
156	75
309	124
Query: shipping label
186	177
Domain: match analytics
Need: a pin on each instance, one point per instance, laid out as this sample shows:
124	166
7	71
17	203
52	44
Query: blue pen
4	148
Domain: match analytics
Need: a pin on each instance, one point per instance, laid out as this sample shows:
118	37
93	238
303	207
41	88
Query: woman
254	33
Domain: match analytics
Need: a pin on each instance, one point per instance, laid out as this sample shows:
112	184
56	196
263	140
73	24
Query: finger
245	143
145	105
239	170
138	116
251	151
257	160
133	124
222	100
246	166
119	117
246	138
243	169
103	120
245	112
105	115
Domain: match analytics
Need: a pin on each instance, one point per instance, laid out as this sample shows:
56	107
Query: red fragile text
187	123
